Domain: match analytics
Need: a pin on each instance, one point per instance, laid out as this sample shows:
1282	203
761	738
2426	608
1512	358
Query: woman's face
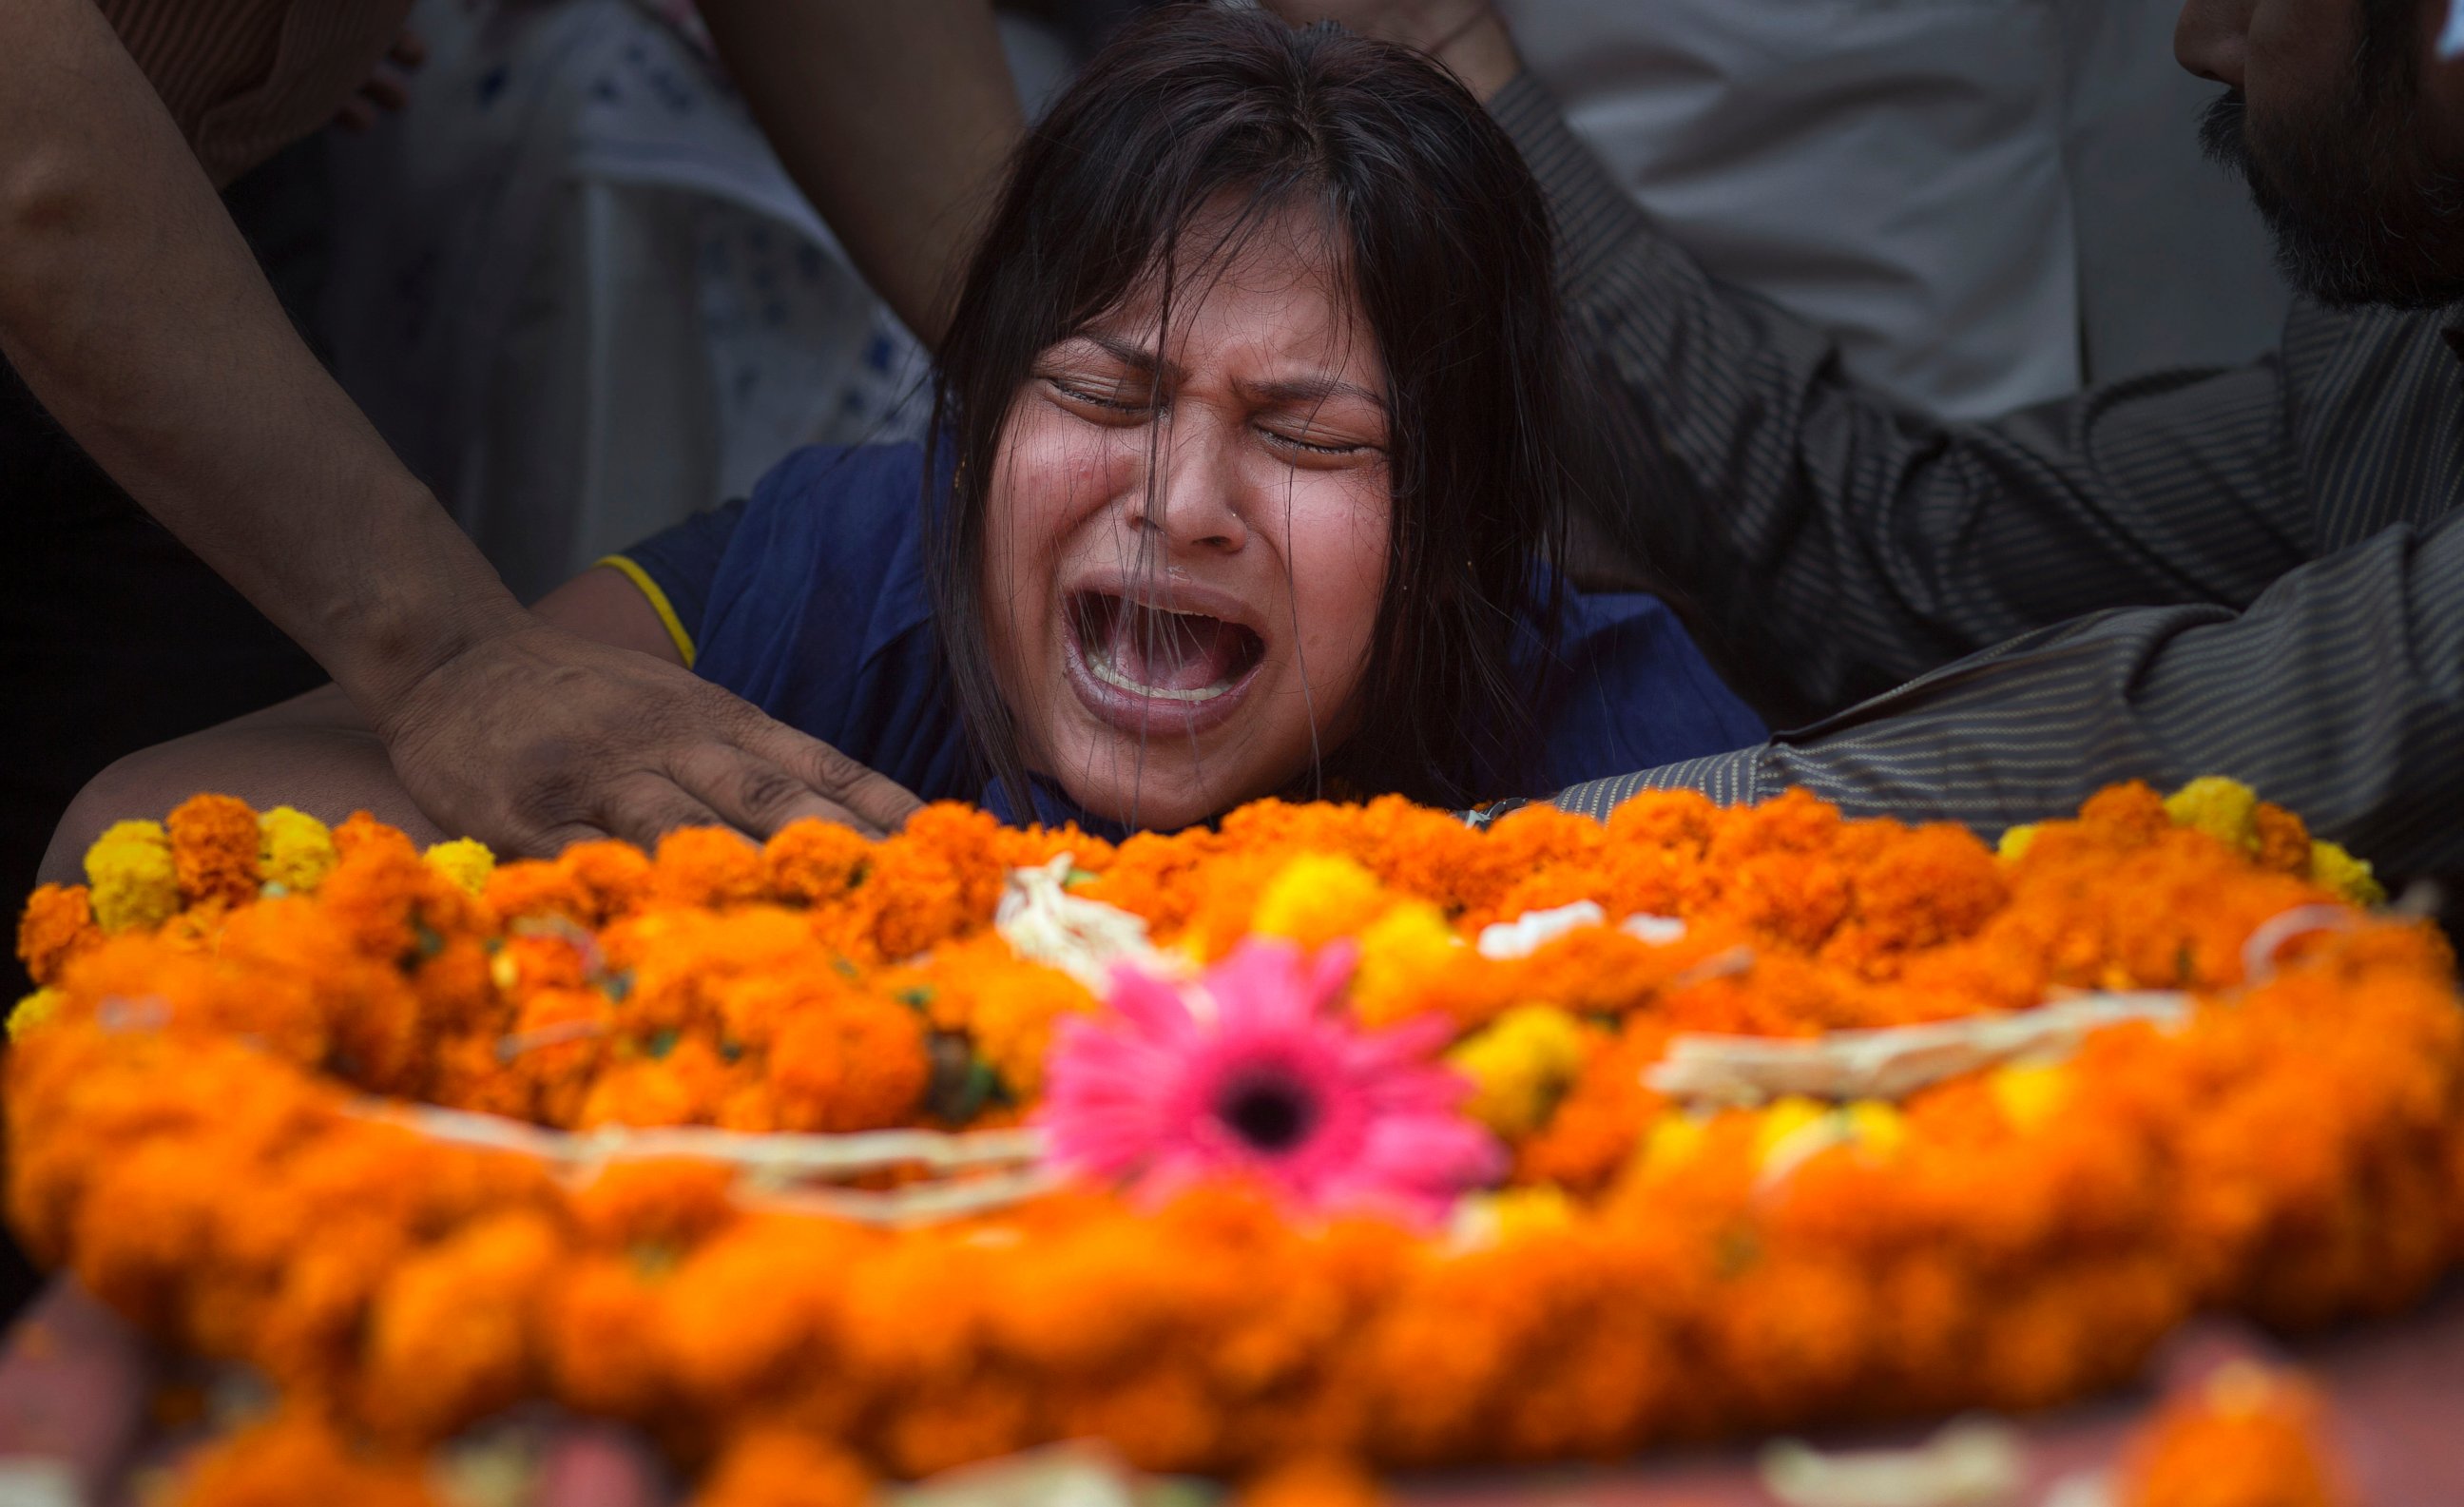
1185	547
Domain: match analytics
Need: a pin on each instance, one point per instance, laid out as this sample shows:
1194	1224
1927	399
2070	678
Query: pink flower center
1269	1112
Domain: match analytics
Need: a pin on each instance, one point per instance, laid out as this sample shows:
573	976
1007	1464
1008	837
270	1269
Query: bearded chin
2360	214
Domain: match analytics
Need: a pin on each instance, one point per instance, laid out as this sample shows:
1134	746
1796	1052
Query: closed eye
1297	446
1110	397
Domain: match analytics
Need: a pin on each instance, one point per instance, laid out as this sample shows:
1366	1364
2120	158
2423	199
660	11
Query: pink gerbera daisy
1252	1072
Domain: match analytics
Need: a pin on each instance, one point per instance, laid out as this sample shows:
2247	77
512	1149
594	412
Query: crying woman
1249	449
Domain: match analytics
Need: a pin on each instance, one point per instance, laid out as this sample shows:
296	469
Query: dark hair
1445	236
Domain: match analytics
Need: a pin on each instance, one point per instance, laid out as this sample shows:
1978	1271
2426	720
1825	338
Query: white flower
1533	930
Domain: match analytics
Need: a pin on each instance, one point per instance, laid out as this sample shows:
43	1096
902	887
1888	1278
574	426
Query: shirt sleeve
2340	693
1830	544
676	567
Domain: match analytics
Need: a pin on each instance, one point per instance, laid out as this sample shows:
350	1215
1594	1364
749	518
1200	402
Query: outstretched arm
894	120
134	313
317	753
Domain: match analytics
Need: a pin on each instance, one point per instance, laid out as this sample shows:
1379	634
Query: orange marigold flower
939	877
2126	814
813	862
450	1335
213	848
858	1064
1312	1480
773	1465
745	1305
705	866
658	1203
363	833
682	1082
2284	840
297	1456
2246	1437
57	924
599	1333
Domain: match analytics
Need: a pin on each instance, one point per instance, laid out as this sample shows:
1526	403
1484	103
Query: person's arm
316	753
2340	693
1833	544
1826	542
136	315
894	120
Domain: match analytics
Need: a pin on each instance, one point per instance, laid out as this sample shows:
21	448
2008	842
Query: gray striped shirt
2256	572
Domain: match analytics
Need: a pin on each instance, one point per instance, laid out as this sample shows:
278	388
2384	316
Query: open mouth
1152	654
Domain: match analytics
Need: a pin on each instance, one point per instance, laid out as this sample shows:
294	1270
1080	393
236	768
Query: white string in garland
1895	1062
997	1167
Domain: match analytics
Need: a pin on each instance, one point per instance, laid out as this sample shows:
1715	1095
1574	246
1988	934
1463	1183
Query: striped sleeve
2257	572
2340	693
1832	544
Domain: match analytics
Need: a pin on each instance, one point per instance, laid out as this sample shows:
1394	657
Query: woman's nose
1192	491
2212	37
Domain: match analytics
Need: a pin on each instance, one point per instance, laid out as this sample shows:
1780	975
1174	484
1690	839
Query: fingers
879	804
385	90
74	1383
758	797
645	808
541	738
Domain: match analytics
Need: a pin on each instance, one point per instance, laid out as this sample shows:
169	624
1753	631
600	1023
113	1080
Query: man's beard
2360	211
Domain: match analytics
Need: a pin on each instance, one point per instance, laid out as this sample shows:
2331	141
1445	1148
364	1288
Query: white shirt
1990	202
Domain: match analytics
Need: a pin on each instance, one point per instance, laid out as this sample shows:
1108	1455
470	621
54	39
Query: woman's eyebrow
1288	391
1300	391
1135	357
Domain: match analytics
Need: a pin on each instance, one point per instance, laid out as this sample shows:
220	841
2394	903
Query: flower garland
198	1116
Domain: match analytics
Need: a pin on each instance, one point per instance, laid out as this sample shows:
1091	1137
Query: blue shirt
811	602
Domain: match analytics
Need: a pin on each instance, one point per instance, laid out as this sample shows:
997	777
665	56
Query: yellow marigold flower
1485	1220
465	861
1318	897
2029	1094
131	876
33	1011
1783	1121
1520	1066
1399	953
2351	878
1877	1125
1673	1141
293	850
1525	1210
2015	842
2225	809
